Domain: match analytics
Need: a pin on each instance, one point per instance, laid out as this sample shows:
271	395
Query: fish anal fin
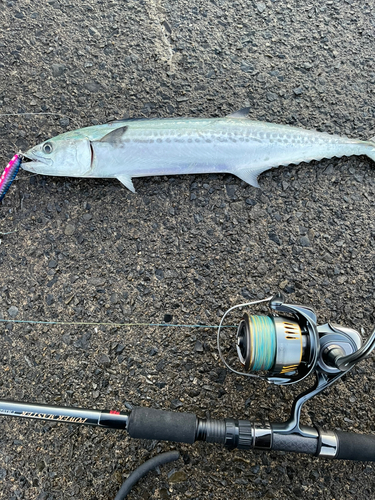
127	181
115	136
250	176
241	113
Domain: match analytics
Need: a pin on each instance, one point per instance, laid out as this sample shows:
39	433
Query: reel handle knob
332	354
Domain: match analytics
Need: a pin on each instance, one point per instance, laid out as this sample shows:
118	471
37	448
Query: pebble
283	284
66	339
69	229
58	70
179	476
159	273
13	311
93	31
272	96
305	242
164	494
298	91
161	365
84	341
104	360
119	348
231	190
176	403
250	201
273	237
198	346
50	299
93	87
64	122
261	7
246	67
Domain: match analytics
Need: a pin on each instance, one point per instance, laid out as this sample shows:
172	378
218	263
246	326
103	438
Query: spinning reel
288	345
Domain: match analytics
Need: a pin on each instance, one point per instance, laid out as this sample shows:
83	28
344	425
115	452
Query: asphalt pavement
182	249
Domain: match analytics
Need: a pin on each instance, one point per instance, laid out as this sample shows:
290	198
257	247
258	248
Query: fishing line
41	114
118	325
21	114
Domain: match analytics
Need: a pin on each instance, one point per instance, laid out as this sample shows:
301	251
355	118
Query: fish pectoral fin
250	176
241	113
127	181
115	136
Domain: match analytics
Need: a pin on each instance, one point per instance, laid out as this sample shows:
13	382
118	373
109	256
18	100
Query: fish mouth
35	164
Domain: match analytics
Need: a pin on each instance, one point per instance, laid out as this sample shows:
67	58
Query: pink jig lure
9	174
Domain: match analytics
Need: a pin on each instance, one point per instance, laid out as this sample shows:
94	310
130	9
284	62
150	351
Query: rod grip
294	443
149	423
353	446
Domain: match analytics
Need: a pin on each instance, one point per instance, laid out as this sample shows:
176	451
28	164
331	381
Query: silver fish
140	148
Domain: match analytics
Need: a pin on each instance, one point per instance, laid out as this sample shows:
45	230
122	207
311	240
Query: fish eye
47	148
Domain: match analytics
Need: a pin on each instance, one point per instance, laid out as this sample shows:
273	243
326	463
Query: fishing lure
9	174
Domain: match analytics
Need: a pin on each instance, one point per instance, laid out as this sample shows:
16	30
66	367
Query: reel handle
345	363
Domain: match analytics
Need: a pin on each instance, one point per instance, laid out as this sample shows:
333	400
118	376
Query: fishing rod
283	348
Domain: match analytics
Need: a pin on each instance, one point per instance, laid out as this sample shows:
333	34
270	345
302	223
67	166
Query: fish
126	149
9	174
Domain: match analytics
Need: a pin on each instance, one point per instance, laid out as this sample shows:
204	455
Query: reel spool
274	344
288	345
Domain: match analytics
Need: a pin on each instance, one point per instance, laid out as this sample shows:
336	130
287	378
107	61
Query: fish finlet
241	113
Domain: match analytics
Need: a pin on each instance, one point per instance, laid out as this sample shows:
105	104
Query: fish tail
371	153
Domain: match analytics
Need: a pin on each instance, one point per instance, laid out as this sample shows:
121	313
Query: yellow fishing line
34	322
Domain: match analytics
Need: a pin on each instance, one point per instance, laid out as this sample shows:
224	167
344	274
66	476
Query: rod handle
353	446
149	423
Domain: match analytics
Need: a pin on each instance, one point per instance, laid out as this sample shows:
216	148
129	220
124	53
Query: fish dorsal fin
115	136
241	113
127	181
129	120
